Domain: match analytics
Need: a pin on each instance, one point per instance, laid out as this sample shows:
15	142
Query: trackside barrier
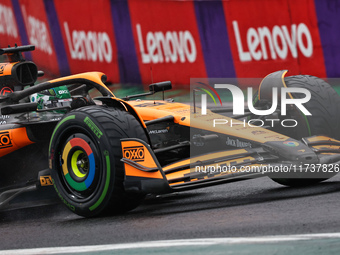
141	42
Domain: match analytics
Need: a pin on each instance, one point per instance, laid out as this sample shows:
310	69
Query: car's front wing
144	173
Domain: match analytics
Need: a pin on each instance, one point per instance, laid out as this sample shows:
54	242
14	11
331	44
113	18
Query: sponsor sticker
136	153
5	140
237	143
93	127
46	180
291	143
2	68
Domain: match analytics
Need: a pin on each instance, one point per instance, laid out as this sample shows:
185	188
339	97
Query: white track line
170	243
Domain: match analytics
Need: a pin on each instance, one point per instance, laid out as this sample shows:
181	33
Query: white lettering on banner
168	47
7	22
264	44
89	45
37	32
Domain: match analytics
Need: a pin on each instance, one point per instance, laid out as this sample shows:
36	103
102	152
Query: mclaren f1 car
105	154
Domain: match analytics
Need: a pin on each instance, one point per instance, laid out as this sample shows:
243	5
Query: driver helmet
52	98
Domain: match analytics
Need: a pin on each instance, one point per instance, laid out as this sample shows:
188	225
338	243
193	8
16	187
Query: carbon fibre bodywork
263	147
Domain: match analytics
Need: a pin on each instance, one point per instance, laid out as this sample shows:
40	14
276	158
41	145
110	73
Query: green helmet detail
61	92
52	98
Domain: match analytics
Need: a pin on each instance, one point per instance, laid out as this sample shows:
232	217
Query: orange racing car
103	155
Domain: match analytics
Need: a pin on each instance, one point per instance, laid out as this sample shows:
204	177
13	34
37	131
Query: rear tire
85	154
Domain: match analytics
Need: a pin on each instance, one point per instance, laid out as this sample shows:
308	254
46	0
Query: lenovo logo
263	43
7	22
171	46
92	46
37	32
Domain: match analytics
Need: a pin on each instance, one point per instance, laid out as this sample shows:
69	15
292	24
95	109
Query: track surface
257	207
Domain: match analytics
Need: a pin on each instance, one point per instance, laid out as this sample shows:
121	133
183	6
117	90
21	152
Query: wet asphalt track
257	207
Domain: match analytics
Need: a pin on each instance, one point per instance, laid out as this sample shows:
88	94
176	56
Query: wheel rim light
79	186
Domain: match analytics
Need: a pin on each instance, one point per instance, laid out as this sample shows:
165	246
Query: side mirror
160	86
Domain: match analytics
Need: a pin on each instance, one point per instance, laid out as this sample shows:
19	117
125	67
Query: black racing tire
85	153
324	106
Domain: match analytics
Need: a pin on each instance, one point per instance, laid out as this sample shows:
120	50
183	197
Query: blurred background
137	42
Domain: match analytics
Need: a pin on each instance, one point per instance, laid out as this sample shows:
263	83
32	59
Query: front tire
324	106
85	155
